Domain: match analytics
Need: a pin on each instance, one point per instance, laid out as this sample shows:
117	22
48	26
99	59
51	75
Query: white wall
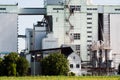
114	36
79	20
58	23
114	32
9	8
8	32
74	59
49	42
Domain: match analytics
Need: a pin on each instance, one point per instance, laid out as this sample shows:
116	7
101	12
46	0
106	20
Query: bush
71	74
22	66
55	64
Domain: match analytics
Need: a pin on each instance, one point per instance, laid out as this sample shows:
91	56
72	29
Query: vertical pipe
34	66
106	59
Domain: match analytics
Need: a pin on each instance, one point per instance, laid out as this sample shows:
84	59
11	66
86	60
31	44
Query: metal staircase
68	11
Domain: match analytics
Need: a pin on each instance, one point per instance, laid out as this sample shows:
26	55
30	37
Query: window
89	18
71	65
89	46
76	36
73	57
88	49
89	31
56	19
117	9
88	53
89	27
58	8
78	52
77	66
72	9
89	36
89	22
89	13
89	40
2	8
77	47
94	8
91	8
76	8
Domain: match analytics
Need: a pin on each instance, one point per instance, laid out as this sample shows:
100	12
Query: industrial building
40	42
80	23
89	29
8	28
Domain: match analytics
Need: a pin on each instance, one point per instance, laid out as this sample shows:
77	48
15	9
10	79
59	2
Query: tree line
13	65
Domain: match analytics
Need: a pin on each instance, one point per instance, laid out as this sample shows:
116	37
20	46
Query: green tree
11	69
1	60
12	57
13	65
55	64
22	66
9	64
1	63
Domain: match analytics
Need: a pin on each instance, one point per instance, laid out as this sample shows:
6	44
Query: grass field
63	78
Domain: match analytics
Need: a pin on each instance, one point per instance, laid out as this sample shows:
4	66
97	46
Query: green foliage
1	63
0	60
62	78
12	57
71	74
11	69
22	66
55	64
11	63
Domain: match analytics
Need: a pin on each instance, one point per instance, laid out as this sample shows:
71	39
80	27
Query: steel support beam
32	11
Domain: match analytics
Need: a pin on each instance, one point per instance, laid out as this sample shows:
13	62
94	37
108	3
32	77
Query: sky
28	21
110	2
